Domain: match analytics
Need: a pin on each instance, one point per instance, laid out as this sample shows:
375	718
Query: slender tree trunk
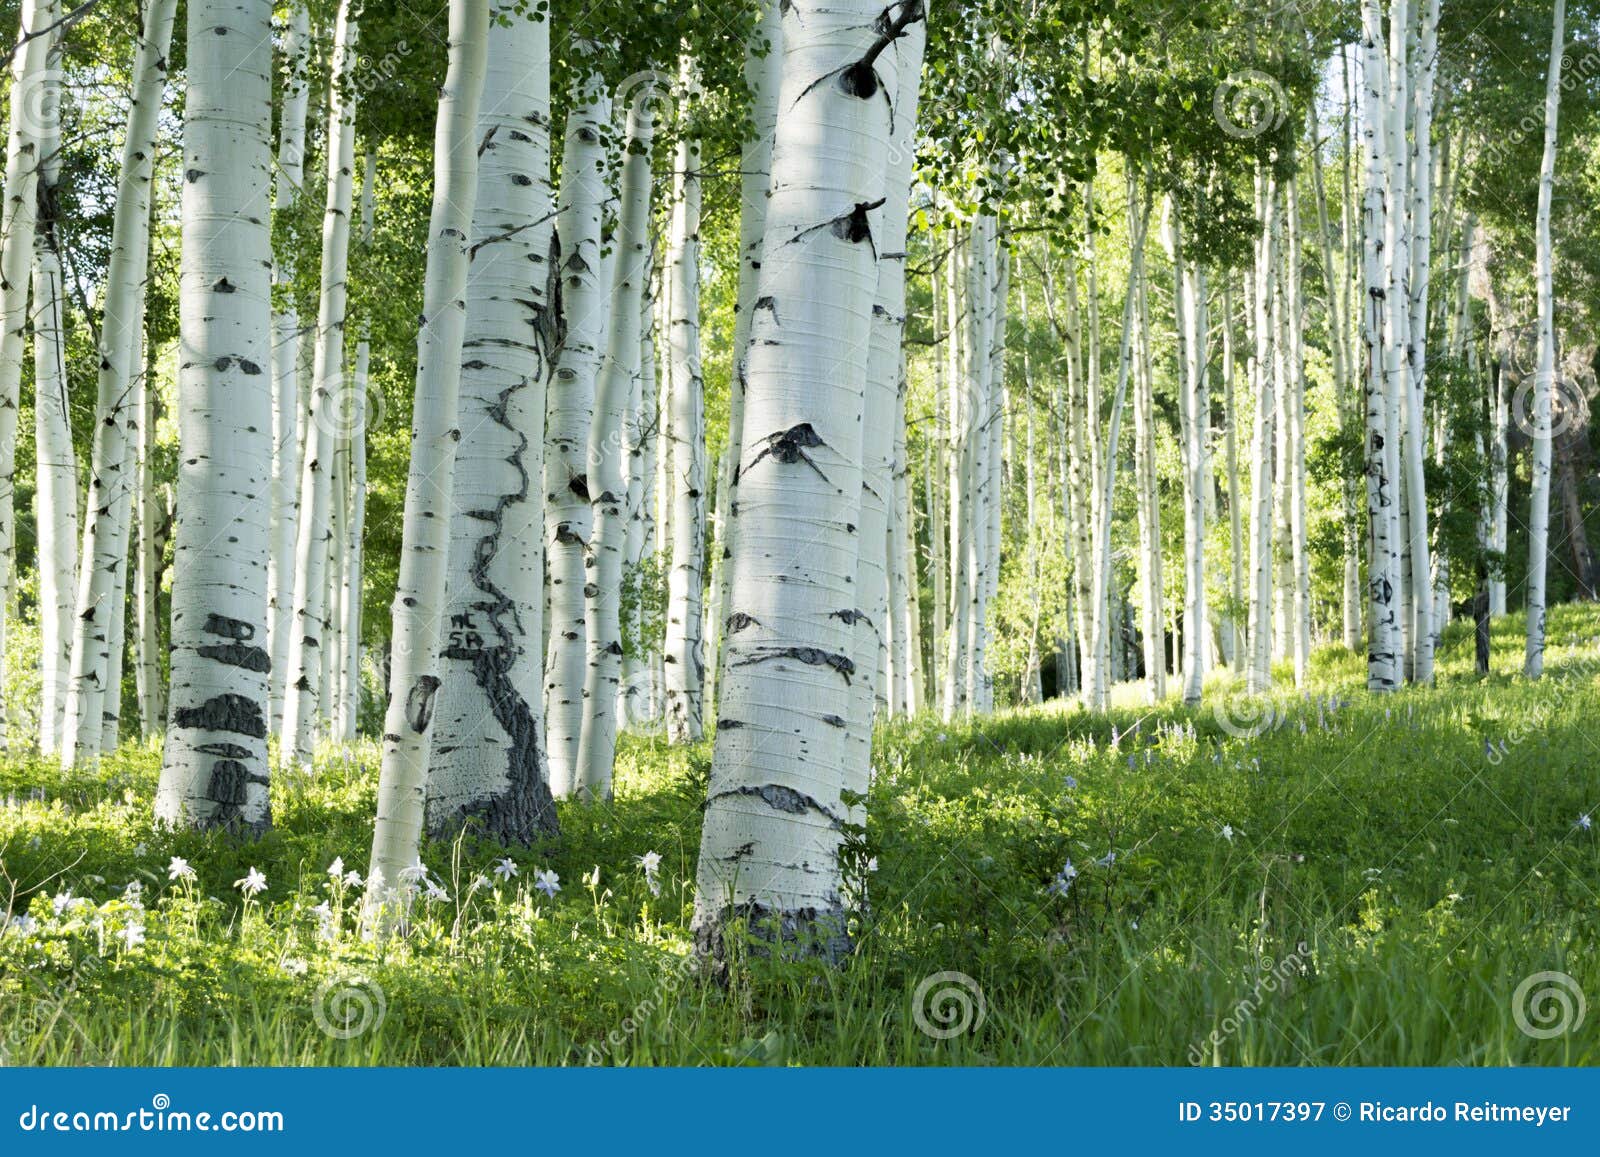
885	356
772	834
29	64
286	417
1539	470
684	651
1139	219
607	480
327	421
1383	671
214	771
1230	405
350	598
571	407
1147	507
637	662
1261	471
420	592
1423	69
56	465
147	575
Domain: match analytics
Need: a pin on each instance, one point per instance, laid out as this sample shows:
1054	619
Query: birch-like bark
56	466
1147	509
881	400
1424	67
1544	382
1262	443
327	419
763	62
607	476
1230	406
637	667
355	529
1194	420
420	593
1102	647
684	651
287	421
570	408
772	834
30	86
214	771
489	765
1294	465
1383	673
147	554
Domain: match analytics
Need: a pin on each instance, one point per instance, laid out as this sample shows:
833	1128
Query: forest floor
1337	879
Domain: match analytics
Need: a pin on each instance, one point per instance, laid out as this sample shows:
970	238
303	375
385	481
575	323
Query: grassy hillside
1320	878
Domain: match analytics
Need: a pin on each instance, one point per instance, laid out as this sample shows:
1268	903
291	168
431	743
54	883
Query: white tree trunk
214	771
584	301
30	86
327	421
489	764
1261	473
763	63
147	575
684	649
420	593
56	466
607	475
1102	626
771	837
1424	67
1147	508
1231	415
881	400
92	701
356	526
1383	671
637	665
286	417
1539	470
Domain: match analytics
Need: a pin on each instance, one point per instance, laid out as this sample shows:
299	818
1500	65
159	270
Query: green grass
1386	889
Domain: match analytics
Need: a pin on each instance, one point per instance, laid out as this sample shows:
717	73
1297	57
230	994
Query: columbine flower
650	862
479	882
253	884
417	873
1063	881
547	882
352	879
61	901
1071	782
336	869
25	924
436	891
179	869
132	935
133	893
1584	822
294	966
140	849
504	868
592	880
1106	860
1227	832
